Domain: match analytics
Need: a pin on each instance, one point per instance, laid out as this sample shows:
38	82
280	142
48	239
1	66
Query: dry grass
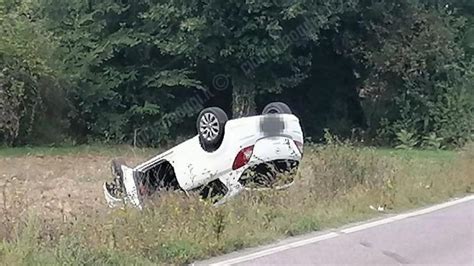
336	185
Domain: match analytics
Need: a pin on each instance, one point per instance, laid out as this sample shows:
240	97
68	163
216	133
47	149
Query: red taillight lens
242	157
299	145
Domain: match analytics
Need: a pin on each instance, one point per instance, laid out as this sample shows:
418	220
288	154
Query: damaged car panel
219	158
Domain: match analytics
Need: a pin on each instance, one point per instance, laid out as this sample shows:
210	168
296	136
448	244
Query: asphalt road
438	235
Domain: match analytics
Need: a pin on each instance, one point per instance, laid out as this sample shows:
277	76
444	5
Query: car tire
210	125
276	108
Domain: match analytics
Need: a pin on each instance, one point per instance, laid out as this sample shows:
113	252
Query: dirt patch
54	186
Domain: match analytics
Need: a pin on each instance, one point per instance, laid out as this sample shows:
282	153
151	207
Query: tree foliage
121	80
415	73
26	72
139	71
261	46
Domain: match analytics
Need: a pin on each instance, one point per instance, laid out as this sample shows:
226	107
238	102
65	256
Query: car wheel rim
209	126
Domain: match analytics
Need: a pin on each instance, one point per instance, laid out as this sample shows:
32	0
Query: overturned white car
222	160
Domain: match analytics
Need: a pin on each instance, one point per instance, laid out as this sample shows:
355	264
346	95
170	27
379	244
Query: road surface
442	234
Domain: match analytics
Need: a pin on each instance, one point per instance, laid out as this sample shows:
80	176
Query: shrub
26	72
407	140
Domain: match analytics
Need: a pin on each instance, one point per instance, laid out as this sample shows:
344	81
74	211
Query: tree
121	81
129	67
262	46
412	67
26	70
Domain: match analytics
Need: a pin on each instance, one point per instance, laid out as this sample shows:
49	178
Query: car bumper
266	151
131	195
274	148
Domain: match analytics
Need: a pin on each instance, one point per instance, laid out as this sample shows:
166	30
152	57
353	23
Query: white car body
273	137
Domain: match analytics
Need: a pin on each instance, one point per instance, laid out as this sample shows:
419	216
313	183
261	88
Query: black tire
276	108
210	126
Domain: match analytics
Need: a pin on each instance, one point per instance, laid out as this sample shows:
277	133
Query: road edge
306	239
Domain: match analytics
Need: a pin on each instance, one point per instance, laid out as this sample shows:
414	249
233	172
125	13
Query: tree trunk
243	97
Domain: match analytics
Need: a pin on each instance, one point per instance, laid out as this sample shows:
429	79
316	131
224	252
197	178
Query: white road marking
353	229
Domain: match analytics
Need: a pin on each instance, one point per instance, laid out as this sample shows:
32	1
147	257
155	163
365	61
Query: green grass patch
422	155
104	150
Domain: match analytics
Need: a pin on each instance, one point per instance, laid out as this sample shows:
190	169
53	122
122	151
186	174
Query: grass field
112	150
53	211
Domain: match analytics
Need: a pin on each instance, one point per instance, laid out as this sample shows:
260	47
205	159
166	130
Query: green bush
27	73
414	72
407	140
439	118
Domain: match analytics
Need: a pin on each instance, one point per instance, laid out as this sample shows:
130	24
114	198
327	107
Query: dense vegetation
391	72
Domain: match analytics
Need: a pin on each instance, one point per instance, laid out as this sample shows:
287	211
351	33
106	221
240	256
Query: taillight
299	145
242	157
